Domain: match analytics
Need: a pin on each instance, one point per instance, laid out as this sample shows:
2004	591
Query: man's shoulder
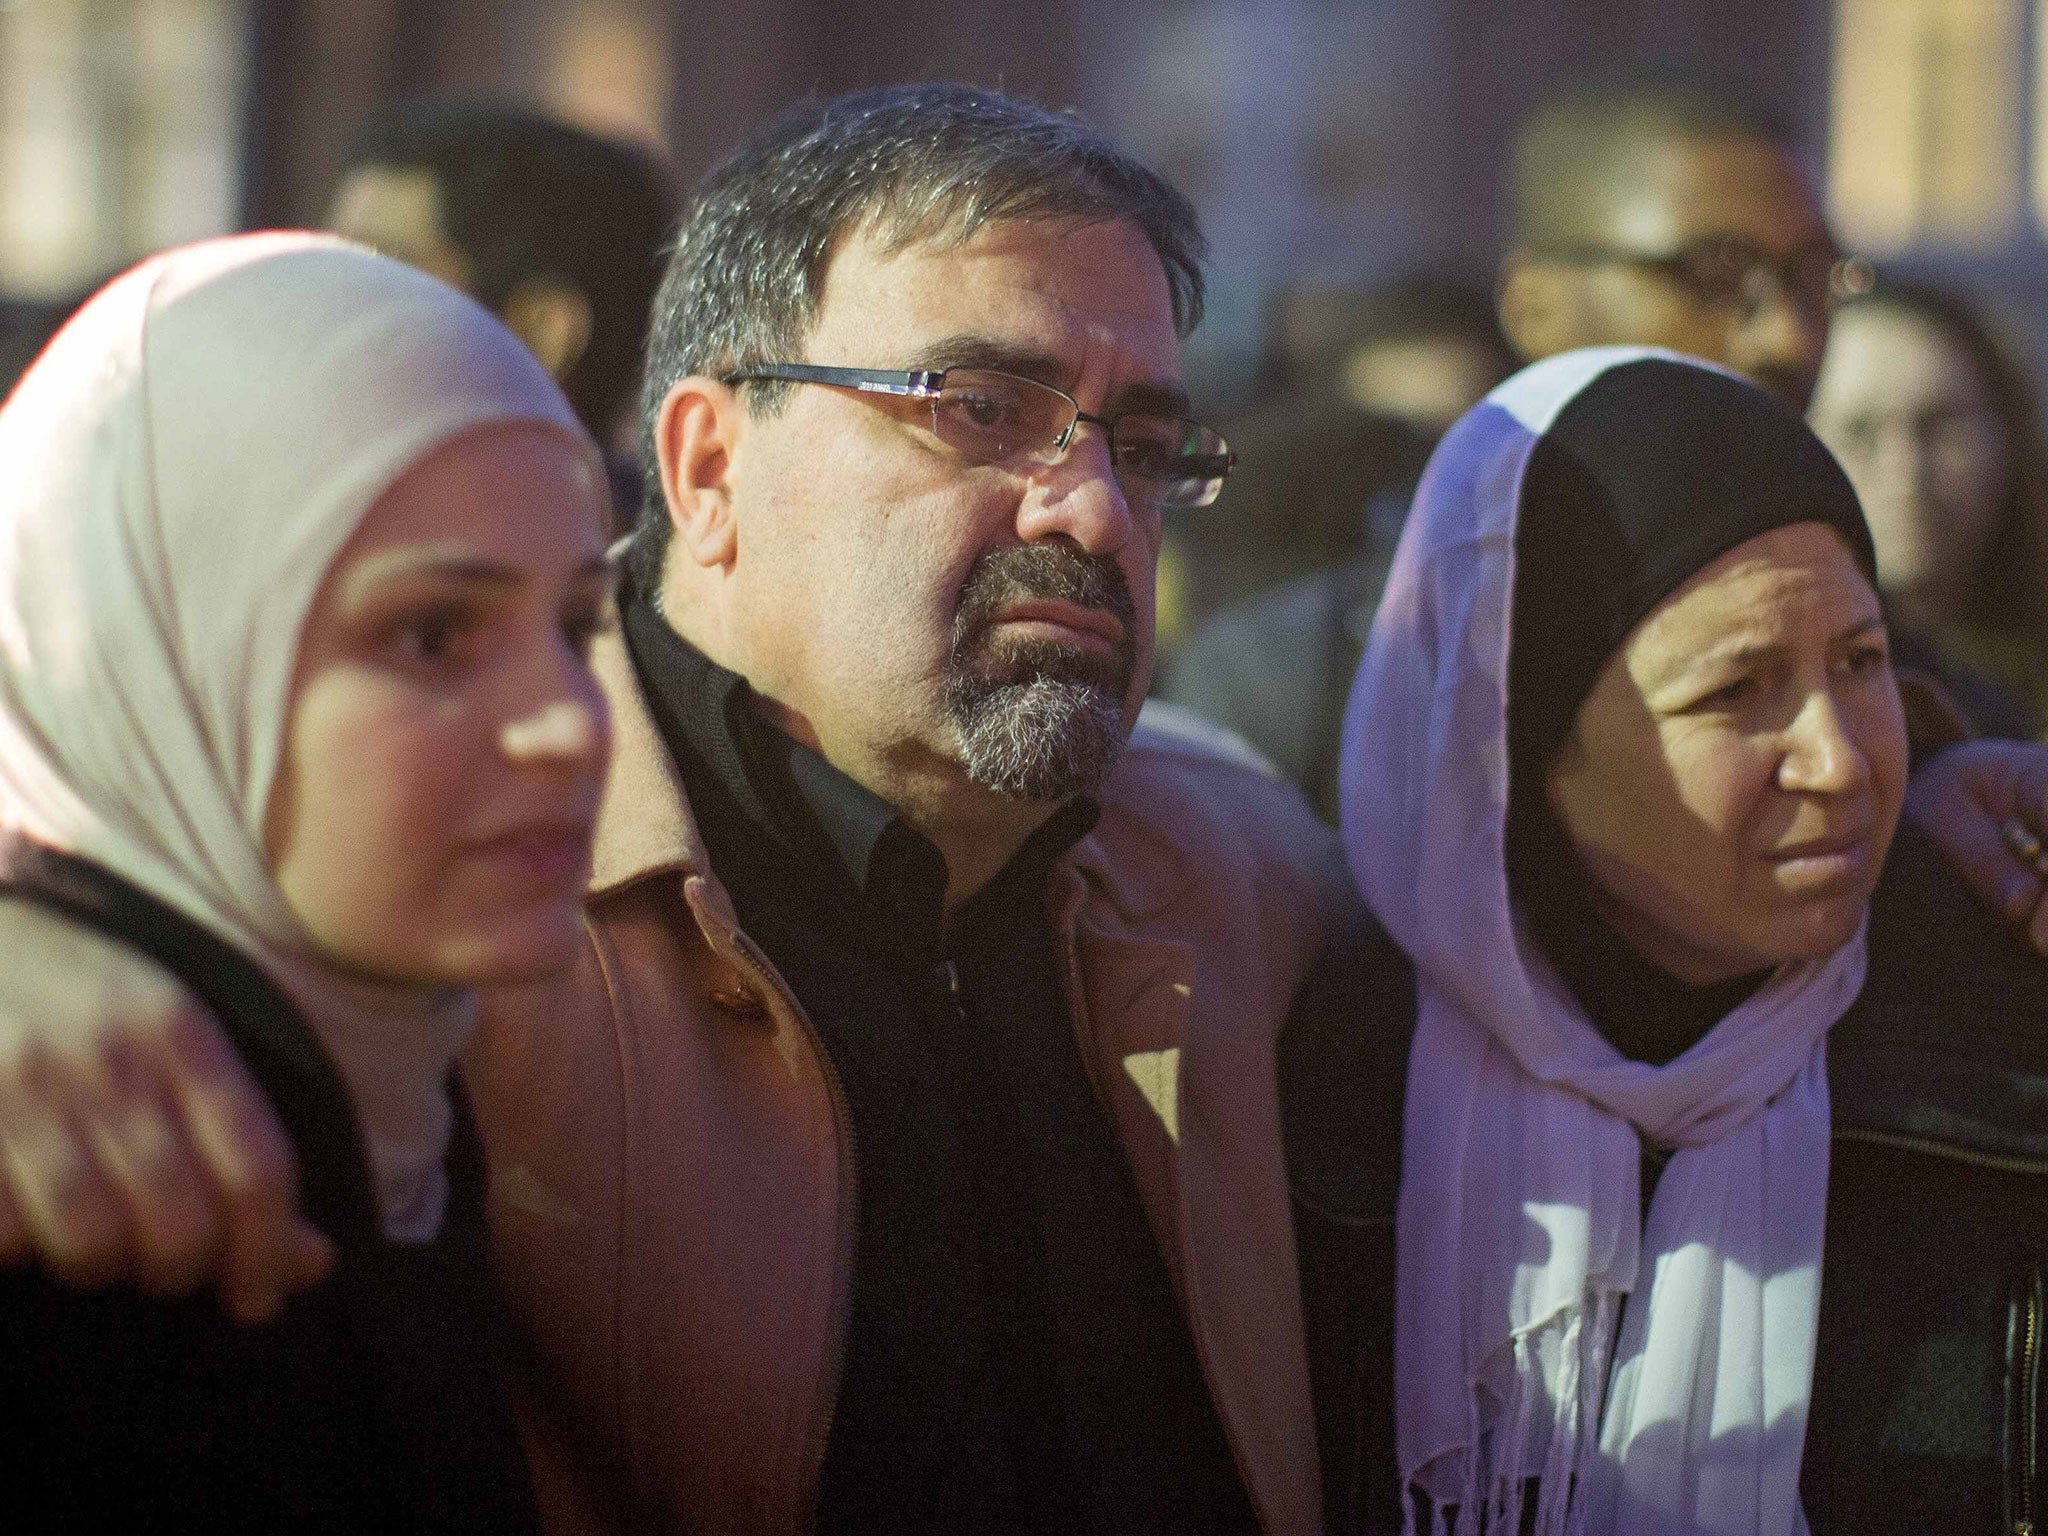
1191	815
1183	770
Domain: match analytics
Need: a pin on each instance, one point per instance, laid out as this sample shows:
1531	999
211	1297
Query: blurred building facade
1323	139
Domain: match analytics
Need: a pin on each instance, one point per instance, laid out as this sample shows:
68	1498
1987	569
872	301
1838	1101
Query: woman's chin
1816	929
536	946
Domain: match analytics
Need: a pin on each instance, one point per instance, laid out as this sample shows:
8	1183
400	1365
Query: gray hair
932	162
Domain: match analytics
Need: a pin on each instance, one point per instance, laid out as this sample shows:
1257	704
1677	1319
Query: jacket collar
1128	858
644	825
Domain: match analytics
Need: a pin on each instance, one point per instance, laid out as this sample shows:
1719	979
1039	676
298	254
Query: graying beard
1041	739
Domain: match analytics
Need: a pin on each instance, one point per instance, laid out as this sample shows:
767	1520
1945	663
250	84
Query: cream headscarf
1522	1243
177	472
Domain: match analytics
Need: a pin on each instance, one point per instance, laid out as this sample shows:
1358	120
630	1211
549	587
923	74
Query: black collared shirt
1015	1359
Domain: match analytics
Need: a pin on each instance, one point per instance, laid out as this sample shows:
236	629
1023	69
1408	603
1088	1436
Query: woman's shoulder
1949	1039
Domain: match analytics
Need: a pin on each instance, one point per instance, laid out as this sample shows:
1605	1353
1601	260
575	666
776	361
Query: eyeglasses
994	418
1734	273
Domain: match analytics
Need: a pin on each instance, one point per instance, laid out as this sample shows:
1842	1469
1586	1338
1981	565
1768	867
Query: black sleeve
1343	1067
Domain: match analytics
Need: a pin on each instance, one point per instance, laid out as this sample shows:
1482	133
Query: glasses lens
995	416
1178	462
1809	276
1850	277
1724	272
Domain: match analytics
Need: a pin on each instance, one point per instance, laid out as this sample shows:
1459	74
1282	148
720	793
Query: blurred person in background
1423	348
1640	214
1358	385
1667	216
1939	429
1327	479
556	230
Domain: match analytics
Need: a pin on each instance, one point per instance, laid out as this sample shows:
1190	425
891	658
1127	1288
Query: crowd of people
768	1028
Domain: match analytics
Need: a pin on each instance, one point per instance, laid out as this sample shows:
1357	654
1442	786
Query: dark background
1323	141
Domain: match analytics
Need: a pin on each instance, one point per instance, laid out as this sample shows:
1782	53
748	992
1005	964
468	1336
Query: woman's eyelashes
1867	657
437	636
1721	696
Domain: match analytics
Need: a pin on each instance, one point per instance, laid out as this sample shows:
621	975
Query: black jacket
373	1403
1928	1411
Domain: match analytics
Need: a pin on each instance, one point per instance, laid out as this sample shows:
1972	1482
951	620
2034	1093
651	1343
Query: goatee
1039	720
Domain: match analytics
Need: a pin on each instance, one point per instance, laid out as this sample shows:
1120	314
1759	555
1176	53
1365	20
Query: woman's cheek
378	778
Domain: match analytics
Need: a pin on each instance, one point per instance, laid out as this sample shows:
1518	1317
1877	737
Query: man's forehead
1051	286
1666	191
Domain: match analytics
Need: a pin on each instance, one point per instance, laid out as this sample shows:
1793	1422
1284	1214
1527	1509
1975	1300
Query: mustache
1054	572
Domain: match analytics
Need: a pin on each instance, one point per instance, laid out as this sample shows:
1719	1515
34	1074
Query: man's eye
1866	659
984	411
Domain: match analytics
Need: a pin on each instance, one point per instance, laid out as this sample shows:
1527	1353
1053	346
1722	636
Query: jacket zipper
2027	1428
849	1204
1996	1161
2026	1470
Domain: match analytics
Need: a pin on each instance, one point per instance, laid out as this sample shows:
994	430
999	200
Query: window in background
120	133
1925	122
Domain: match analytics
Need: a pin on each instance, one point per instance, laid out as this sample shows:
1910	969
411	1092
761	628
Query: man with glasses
902	1153
1665	216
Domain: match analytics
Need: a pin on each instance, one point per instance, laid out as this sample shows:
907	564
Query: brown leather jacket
673	1168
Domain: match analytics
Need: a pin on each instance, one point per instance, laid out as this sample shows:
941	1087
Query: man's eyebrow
968	350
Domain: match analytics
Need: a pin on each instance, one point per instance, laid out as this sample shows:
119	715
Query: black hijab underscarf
1652	472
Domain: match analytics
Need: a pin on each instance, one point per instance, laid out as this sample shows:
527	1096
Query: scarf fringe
1495	1484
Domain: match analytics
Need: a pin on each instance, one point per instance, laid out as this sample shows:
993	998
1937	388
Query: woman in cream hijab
1723	1186
299	554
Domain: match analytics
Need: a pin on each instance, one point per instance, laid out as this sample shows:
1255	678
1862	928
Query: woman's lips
550	855
1819	863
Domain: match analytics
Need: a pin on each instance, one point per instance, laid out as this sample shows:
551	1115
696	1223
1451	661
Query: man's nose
1079	497
1780	334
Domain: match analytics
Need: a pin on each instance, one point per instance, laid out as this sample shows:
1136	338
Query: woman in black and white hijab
1622	768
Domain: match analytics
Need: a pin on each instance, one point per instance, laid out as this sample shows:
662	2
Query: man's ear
554	321
695	433
1539	306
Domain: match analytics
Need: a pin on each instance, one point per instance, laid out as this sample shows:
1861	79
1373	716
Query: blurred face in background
1909	413
398	212
1712	247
